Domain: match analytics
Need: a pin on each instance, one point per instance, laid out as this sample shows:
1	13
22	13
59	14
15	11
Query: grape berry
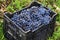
32	18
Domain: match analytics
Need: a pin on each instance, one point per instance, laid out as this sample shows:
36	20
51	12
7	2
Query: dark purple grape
42	11
32	18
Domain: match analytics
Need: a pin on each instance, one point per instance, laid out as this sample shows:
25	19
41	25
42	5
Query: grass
1	31
56	34
58	3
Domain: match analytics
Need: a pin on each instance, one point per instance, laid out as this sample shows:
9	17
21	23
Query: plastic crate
18	33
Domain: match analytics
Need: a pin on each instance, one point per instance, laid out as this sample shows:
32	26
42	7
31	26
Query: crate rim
23	9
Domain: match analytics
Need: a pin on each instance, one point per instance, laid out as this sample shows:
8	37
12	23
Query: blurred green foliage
58	3
58	17
1	31
56	34
16	5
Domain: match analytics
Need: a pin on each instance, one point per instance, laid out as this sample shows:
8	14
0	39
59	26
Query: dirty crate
18	33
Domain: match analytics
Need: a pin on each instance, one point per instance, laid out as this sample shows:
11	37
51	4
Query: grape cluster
32	18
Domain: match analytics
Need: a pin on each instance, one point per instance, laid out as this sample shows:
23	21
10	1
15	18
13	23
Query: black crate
18	33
